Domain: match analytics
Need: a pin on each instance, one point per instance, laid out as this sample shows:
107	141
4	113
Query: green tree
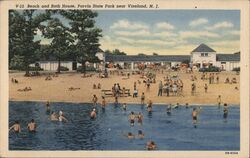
23	26
86	34
61	40
142	54
118	52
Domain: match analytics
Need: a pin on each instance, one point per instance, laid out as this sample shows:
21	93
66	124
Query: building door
74	65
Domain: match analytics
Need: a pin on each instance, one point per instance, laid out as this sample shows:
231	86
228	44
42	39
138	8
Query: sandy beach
57	89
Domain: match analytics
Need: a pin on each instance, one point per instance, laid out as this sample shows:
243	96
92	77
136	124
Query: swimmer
169	109
225	111
16	127
219	101
130	135
53	116
94	100
132	118
124	106
151	145
194	115
32	126
61	117
139	117
103	102
47	107
140	134
187	105
93	114
149	107
142	98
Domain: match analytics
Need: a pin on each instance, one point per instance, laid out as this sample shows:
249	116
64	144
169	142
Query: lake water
107	132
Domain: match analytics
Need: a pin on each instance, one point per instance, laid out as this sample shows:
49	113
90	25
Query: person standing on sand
16	127
32	126
142	98
94	100
103	102
217	79
205	87
160	89
167	89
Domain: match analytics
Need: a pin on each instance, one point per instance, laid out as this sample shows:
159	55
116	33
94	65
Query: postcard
124	79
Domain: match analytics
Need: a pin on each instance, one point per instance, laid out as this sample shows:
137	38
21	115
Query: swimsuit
194	117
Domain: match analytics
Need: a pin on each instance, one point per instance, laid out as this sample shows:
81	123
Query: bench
107	92
110	93
127	91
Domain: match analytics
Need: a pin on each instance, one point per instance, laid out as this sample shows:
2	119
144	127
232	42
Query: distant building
202	56
51	64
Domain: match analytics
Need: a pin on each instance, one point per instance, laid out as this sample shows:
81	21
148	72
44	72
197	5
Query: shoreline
135	103
57	89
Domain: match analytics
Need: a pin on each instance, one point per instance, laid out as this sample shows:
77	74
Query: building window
202	54
223	62
206	54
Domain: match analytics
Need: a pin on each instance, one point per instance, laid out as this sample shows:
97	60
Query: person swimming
169	109
151	145
53	116
32	126
93	114
194	116
103	102
225	111
132	118
124	106
48	107
130	135
149	107
187	105
94	100
140	134
16	127
140	117
61	117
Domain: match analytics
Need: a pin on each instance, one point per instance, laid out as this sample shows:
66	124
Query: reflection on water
108	131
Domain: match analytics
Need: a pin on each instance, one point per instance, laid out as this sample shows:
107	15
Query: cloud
126	24
197	22
221	25
141	33
234	32
197	34
148	42
164	25
165	34
231	43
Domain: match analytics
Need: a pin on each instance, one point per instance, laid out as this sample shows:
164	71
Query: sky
168	31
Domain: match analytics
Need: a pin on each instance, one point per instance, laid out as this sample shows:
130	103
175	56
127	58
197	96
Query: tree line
78	39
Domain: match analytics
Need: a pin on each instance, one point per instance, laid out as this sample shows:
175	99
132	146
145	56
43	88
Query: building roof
203	48
147	58
228	57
